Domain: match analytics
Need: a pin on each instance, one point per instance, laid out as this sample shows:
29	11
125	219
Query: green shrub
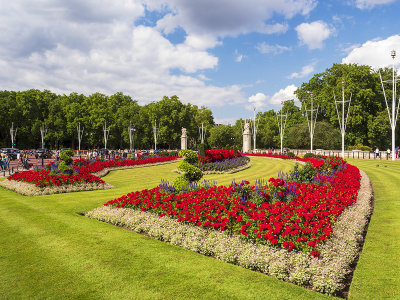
308	155
290	154
191	172
360	147
173	153
180	182
66	156
304	173
64	168
202	150
189	156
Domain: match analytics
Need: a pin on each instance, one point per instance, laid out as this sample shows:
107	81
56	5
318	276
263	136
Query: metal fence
383	155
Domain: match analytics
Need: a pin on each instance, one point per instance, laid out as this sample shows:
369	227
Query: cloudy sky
229	55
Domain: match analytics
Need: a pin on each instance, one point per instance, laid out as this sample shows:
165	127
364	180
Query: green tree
222	136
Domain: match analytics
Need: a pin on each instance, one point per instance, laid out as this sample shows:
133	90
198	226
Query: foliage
360	147
66	161
189	156
308	155
202	150
61	114
223	136
191	172
290	154
326	136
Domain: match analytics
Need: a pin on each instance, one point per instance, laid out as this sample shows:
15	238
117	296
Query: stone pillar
183	139
246	138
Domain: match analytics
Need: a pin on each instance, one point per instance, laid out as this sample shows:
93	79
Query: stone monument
183	139
246	138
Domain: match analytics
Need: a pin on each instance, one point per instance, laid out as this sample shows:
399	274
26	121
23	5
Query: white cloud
225	121
258	100
50	45
368	4
229	17
305	71
284	94
264	48
375	53
239	58
313	34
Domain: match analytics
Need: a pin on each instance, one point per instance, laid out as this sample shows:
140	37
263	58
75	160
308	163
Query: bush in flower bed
326	273
224	165
280	156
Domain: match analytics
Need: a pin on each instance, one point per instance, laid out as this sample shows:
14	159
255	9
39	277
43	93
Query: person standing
7	161
388	153
377	152
397	151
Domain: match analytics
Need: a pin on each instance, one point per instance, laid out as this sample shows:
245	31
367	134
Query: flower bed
300	224
326	273
226	165
219	155
43	178
51	180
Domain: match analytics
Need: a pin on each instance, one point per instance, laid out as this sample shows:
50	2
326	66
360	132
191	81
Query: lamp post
202	131
13	133
43	133
281	124
106	134
393	116
311	121
80	135
343	122
156	131
255	128
131	130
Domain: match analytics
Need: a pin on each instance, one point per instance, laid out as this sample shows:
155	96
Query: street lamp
393	116
312	121
156	131
13	133
343	122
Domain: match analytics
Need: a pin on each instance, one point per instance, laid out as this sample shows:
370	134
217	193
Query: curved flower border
327	274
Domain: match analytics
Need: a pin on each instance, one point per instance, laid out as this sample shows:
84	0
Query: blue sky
229	55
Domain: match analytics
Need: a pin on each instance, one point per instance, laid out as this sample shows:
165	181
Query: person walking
2	162
7	161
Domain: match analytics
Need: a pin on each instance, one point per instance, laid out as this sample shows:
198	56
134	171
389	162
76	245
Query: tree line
368	122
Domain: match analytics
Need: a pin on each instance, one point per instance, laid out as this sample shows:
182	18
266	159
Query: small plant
66	161
191	172
308	155
290	154
202	150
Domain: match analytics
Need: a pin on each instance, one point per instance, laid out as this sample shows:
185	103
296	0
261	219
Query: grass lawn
48	250
377	275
